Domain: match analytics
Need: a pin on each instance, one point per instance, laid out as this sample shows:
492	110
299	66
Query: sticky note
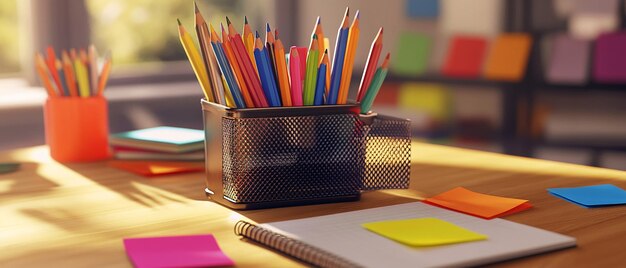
155	168
412	54
456	17
423	232
569	59
9	167
465	57
592	196
422	8
176	251
477	204
434	100
609	58
508	57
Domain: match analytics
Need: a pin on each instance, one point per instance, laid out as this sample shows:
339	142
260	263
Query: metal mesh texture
387	154
309	157
292	158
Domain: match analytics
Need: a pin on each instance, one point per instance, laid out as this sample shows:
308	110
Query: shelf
609	145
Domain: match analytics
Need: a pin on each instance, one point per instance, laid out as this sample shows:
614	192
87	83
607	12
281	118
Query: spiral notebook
338	240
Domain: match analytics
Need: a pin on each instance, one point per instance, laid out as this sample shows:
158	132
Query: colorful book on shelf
569	60
163	138
130	153
465	57
609	64
413	51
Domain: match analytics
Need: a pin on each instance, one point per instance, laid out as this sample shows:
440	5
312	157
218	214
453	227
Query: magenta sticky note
176	251
610	58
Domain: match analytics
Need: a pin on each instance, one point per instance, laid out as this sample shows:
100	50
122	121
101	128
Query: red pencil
370	66
51	63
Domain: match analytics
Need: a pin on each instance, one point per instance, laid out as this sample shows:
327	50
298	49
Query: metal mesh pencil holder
282	156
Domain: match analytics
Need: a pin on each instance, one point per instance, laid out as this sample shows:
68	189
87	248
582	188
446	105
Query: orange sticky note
508	57
155	168
477	204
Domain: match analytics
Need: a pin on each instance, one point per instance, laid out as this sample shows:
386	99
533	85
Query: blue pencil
340	51
228	74
267	81
321	84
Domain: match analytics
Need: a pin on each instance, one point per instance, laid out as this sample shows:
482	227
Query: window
9	58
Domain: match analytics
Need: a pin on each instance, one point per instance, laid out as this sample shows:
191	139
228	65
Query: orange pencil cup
77	128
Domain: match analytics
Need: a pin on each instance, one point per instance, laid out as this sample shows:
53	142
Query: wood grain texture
76	215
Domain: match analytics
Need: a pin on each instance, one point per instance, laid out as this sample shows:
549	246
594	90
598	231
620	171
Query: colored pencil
320	87
230	102
229	77
281	70
377	82
63	90
294	72
202	32
93	69
269	45
317	30
51	63
104	76
346	74
338	60
195	60
267	79
312	64
248	40
44	75
249	74
246	92
68	70
81	77
370	65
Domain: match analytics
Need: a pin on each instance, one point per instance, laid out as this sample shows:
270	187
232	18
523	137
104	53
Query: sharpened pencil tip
276	33
315	36
267	27
179	22
245	19
222	25
319	20
227	20
326	51
347	11
195	7
358	14
257	34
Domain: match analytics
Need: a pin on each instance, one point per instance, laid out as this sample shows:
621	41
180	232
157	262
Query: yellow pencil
230	102
196	61
81	77
346	74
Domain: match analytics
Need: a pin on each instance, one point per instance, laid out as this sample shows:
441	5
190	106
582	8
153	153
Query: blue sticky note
422	8
592	196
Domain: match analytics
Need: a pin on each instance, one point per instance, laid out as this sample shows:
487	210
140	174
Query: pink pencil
296	81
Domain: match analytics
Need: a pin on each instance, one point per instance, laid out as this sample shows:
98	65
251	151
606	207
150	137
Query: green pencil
312	62
374	87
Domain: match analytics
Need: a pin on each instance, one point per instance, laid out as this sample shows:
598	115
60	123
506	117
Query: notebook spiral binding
291	247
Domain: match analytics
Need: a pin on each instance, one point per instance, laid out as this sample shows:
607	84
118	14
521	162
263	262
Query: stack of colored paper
159	143
477	204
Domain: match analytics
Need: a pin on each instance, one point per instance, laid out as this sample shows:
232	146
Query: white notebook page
343	235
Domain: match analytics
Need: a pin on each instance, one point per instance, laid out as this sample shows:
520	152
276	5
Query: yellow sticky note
423	232
433	99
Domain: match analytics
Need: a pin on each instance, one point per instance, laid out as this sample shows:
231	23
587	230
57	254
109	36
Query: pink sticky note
176	251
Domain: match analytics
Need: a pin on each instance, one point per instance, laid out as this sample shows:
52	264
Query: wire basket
269	157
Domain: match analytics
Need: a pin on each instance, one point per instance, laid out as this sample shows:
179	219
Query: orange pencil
320	37
41	67
370	65
281	71
248	40
51	63
70	78
245	91
104	76
346	74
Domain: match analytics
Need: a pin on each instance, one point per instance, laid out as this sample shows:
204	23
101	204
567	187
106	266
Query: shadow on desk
149	192
24	182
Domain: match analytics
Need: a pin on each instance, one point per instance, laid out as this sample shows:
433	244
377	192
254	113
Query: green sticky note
9	167
411	54
423	232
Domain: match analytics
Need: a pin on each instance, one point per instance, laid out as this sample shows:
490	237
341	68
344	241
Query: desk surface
77	214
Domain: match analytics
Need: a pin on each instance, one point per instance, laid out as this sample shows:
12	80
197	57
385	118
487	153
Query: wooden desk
78	214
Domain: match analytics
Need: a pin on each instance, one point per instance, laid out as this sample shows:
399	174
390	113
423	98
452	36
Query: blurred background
538	78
